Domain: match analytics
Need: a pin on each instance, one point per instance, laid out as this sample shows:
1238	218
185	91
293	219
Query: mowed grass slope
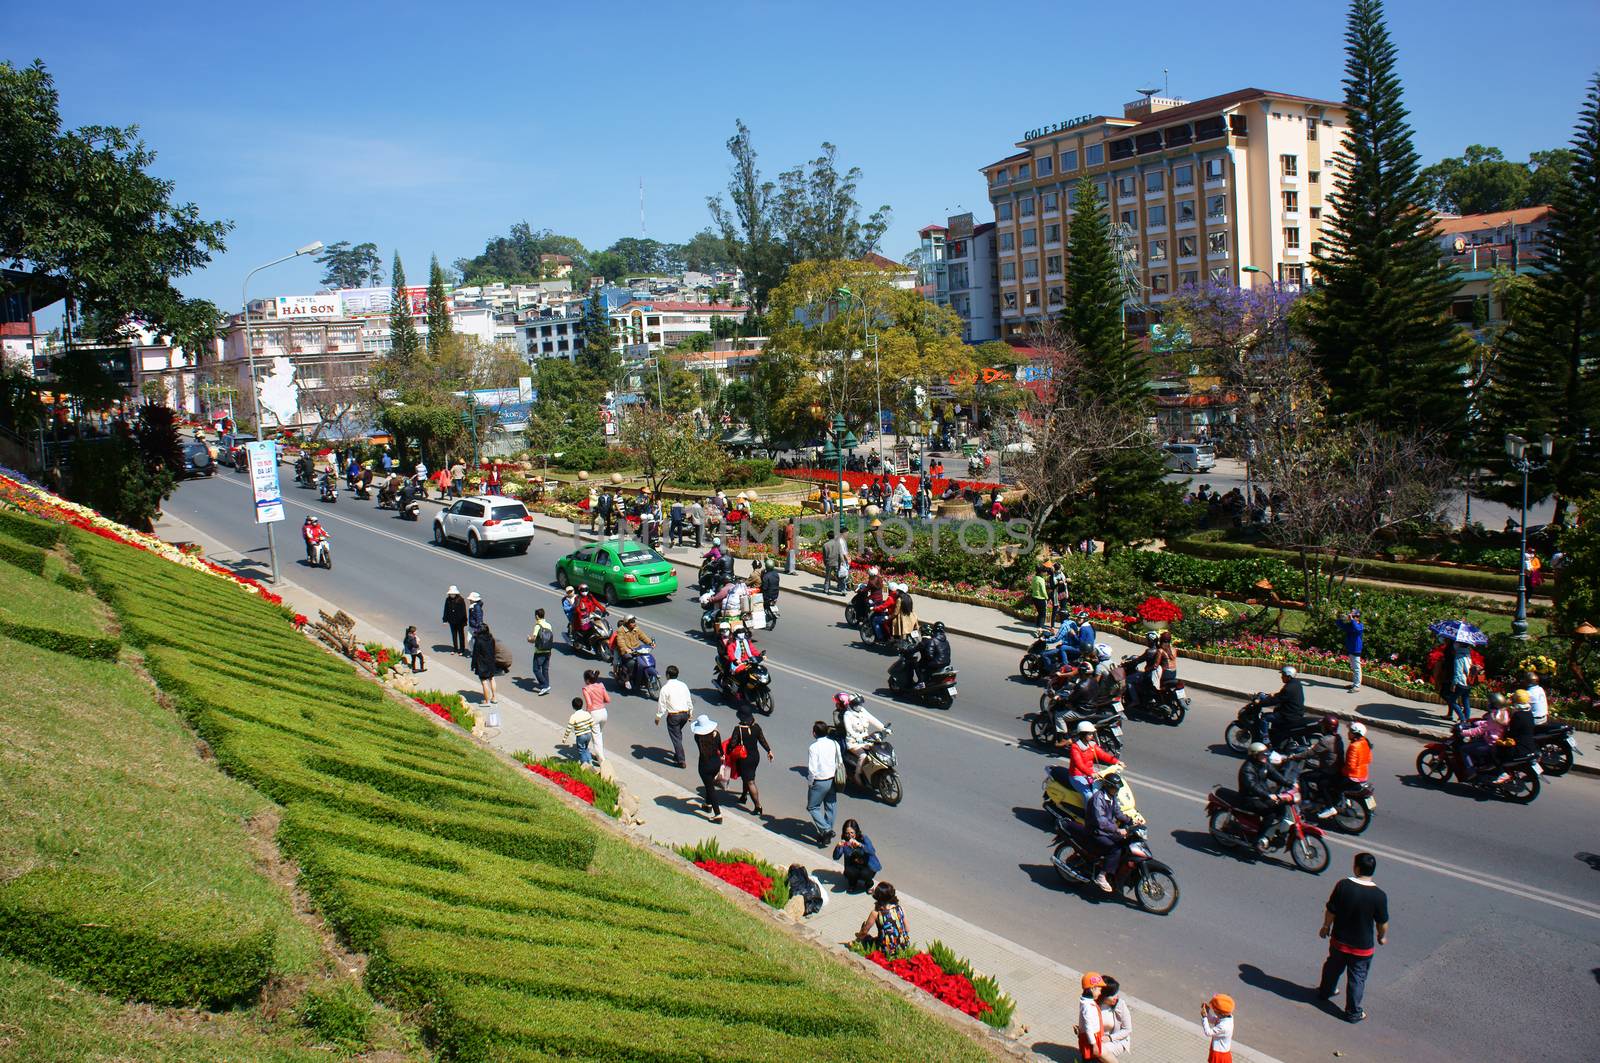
509	925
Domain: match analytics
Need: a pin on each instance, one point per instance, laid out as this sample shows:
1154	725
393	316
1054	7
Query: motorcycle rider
716	561
408	491
932	654
884	605
1106	826
1353	771
1480	737
769	587
1142	684
737	651
1520	731
629	642
1062	646
730	596
584	609
1265	790
1323	758
1082	755
1538	700
1086	635
1289	705
326	485
313	533
857	724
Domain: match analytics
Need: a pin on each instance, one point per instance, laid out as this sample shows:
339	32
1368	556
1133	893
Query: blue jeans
1055	658
541	671
1459	703
1354	968
583	751
822	797
1084	784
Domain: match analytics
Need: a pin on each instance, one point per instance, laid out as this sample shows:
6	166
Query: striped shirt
579	723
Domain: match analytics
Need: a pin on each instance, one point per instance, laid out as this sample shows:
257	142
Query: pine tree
400	364
1114	366
1547	377
597	356
438	308
1380	323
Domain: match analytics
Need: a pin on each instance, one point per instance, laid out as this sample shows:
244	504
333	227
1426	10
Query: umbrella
1459	631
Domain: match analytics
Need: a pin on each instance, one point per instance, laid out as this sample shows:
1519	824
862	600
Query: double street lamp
838	440
1524	460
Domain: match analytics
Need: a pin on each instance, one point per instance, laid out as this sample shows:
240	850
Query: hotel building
1202	193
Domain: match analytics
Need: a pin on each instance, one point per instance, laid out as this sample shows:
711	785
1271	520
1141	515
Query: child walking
1216	1020
412	647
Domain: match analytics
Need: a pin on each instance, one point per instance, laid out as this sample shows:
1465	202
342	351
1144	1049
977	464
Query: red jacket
1083	758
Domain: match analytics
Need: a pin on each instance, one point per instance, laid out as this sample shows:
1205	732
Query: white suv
484	522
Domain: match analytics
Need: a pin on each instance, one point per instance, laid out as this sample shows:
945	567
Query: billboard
373	302
325	305
263	456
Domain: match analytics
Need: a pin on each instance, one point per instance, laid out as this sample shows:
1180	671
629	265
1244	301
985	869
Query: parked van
1190	457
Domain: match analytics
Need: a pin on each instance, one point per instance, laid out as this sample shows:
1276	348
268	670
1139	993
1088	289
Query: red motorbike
1235	824
1515	778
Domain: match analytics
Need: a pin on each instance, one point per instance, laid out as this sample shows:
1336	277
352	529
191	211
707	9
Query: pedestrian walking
494	479
1116	1021
860	858
1216	1022
411	646
1355	922
483	663
595	698
474	615
1459	701
697	521
836	563
455	614
674	705
1090	1028
748	737
1060	594
458	478
1353	631
708	743
885	929
824	766
1039	593
543	637
580	731
675	517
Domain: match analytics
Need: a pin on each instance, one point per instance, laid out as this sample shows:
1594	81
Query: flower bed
1155	610
937	970
739	868
583	783
451	708
383	659
1389	676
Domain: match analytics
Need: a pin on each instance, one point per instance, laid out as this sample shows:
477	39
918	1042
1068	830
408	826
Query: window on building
1222	275
1189	278
1052	201
1158	250
1314	176
1155	215
1002	211
1216	244
1188	246
1030	237
1055	295
1216	208
1291	238
1102	190
1291	202
1010	299
1158	283
1052	264
1052	234
1001	176
1094	154
1290	165
1316	248
1008	241
1030	298
1214	168
1030	269
1155	181
1130	218
1046	166
1024	171
1311	129
1291	273
1186	211
1183	176
1025	206
1069	160
1125	185
1008	271
1072	198
1316	212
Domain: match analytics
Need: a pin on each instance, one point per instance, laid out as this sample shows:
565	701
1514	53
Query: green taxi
619	571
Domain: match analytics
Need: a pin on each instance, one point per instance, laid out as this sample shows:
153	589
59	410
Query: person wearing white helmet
1266	790
856	724
1288	707
1082	756
1357	765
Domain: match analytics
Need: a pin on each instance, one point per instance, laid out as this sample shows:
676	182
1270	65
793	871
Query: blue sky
431	127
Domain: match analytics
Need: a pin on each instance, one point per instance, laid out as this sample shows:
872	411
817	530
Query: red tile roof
1227	99
681	308
1470	223
935	227
872	258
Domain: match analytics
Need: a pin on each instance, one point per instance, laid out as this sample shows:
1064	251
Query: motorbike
388	499
409	506
1167	705
1243	730
712	575
1034	666
1049	731
1235	824
1556	747
304	474
596	642
1150	883
650	686
874	766
751	686
1065	804
869	636
938	692
1440	761
1353	812
321	554
329	493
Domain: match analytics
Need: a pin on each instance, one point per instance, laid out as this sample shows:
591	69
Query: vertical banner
264	479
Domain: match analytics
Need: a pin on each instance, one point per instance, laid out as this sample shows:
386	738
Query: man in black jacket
455	614
1288	705
1263	786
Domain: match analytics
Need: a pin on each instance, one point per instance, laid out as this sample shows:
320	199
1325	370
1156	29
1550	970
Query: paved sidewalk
1045	991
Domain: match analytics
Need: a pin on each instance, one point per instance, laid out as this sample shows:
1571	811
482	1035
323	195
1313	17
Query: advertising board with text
263	456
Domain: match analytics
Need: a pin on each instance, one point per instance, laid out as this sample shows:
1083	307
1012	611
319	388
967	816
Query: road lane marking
1574	905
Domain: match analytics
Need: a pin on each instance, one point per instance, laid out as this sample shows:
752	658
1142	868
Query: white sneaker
1325	813
1100	880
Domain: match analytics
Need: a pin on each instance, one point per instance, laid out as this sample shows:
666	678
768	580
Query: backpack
544	638
802	885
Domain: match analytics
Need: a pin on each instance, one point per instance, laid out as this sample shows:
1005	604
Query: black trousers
676	722
458	637
708	785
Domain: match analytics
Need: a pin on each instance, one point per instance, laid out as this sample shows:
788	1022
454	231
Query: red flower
1159	610
576	787
299	620
924	972
363	655
743	875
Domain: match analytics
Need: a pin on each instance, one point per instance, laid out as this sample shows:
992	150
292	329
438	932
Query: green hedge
71	643
27	558
31	530
88	926
1426	575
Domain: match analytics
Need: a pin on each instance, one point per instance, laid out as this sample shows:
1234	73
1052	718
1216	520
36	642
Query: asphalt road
1495	939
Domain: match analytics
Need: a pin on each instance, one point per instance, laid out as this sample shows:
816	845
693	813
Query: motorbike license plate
1538	769
953	692
1370	802
1116	730
1572	741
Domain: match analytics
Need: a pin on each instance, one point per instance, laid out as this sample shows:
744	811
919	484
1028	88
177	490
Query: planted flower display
939	971
741	869
1154	610
583	783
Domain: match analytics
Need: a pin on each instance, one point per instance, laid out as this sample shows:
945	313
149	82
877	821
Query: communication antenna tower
1125	245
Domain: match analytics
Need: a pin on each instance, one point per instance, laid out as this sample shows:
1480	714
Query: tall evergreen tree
405	346
1547	378
1114	366
1380	323
438	308
597	357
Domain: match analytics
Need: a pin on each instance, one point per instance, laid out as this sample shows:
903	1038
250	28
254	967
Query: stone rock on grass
795	909
628	807
606	771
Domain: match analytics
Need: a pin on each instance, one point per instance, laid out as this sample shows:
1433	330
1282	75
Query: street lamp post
838	440
255	392
1517	449
868	339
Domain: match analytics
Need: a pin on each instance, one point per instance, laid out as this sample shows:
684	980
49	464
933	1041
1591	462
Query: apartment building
957	269
655	325
1483	247
1199	193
